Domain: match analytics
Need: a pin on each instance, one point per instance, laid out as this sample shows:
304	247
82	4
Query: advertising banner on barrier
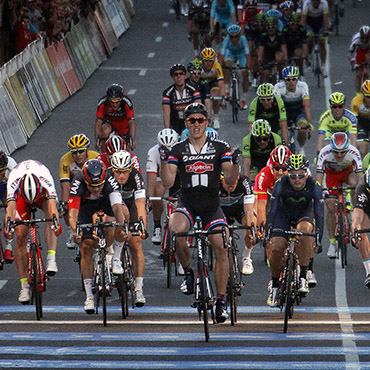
95	37
125	12
105	27
116	17
129	7
11	136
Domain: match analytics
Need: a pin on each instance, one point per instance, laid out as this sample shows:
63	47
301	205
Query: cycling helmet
195	64
30	188
195	108
114	144
287	5
367	177
337	98
290	71
296	18
297	162
365	31
279	155
261	127
94	172
121	160
265	90
3	160
339	142
114	91
197	3
260	18
177	67
250	3
167	137
78	141
273	13
208	54
365	88
234	29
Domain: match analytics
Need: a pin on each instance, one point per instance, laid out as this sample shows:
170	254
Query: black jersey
243	189
294	39
199	173
363	196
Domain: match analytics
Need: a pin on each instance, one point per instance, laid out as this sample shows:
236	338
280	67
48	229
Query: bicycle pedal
161	256
194	305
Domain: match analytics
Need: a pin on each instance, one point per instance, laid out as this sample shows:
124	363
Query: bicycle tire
288	312
35	279
341	240
234	100
203	304
122	291
103	271
168	258
232	296
126	279
176	7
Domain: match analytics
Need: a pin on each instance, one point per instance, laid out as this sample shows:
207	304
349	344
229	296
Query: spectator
36	18
23	34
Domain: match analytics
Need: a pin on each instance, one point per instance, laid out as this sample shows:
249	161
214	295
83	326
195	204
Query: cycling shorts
236	211
360	56
334	178
224	22
234	57
311	32
24	208
300	118
363	130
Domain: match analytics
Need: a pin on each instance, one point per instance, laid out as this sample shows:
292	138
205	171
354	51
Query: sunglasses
339	152
291	79
79	151
196	73
278	168
196	119
95	185
294	23
117	170
3	169
115	101
266	99
337	106
179	74
367	96
259	139
294	176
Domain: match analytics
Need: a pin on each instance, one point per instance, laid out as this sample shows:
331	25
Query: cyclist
315	17
114	144
341	163
131	186
199	177
296	99
155	188
335	119
257	147
70	165
7	164
237	204
360	220
31	184
288	8
272	49
270	107
94	190
195	70
266	178
235	48
176	97
248	14
212	72
360	107
115	113
296	201
222	16
198	22
296	40
360	48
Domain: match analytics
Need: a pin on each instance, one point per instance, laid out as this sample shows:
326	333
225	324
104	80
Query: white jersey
153	161
11	164
326	159
296	96
313	12
38	169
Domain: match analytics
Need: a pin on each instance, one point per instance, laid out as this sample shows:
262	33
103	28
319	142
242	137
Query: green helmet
260	18
265	90
296	18
271	21
194	64
290	71
337	98
261	127
297	162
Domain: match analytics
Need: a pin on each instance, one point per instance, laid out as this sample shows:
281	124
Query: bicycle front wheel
203	299
103	271
342	246
288	313
36	281
232	294
168	257
234	101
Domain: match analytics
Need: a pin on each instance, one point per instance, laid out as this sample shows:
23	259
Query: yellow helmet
208	54
337	98
78	141
365	88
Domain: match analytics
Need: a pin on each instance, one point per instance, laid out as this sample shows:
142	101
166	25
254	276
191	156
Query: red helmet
365	31
114	144
94	172
280	155
30	188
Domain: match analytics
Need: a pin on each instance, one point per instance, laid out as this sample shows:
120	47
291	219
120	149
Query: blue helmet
290	71
234	29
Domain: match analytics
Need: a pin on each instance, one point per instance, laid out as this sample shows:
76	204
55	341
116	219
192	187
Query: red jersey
104	157
264	182
248	17
120	117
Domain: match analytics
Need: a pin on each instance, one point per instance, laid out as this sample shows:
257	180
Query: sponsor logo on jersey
199	167
113	183
74	187
186	158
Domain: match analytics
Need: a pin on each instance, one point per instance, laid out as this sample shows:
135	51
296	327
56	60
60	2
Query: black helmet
195	108
114	91
94	172
3	160
177	67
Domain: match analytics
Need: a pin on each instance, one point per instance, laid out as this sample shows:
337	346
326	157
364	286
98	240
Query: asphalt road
330	330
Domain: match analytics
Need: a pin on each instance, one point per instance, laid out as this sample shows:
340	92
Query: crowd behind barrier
44	74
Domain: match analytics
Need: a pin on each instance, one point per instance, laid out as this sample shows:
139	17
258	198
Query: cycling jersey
360	48
118	118
247	19
294	39
104	157
328	124
222	13
11	164
214	74
326	160
290	206
199	15
271	45
315	16
178	103
274	115
68	168
363	196
235	52
259	157
264	183
36	168
362	113
203	87
293	100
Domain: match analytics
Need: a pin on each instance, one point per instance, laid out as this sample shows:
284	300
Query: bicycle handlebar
12	224
168	199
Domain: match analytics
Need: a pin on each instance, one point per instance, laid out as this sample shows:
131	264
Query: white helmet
121	160
167	137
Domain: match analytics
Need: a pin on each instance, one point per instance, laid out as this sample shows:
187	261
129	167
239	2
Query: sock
24	283
88	284
247	252
139	284
310	265
303	271
117	246
51	253
157	224
366	264
332	241
275	282
220	297
187	268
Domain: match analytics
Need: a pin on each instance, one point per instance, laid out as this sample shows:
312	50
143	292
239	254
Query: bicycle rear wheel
122	291
341	237
104	290
168	256
203	299
36	279
231	289
234	101
288	313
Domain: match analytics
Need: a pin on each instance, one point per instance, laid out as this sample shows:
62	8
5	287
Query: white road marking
165	24
131	92
2	283
142	72
151	55
158	39
132	69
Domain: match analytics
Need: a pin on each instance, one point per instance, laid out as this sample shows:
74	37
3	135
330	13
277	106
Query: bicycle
317	60
292	127
168	253
37	275
235	93
204	296
343	222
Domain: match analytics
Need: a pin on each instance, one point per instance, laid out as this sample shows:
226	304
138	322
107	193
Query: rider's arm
168	174
132	132
353	138
166	115
274	202
283	119
97	130
141	209
246	155
73	218
307	108
11	210
247	166
252	114
231	172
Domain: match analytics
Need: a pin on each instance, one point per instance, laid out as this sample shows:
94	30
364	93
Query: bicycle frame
317	60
